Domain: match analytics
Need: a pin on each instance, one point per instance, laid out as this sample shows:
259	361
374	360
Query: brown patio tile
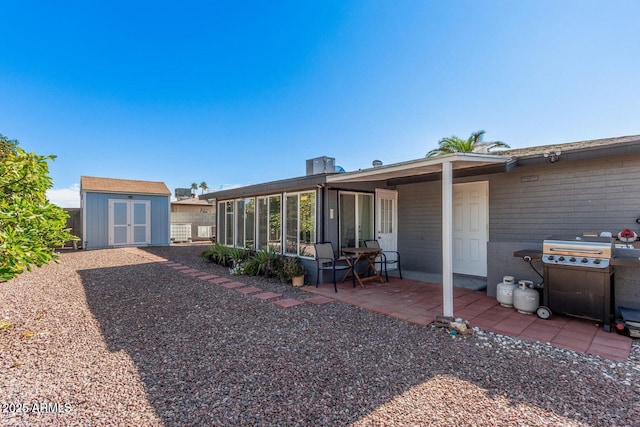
496	314
521	319
221	280
582	325
576	335
288	303
607	352
507	327
539	325
486	301
469	298
565	335
232	285
267	295
458	292
247	290
180	267
319	300
556	321
611	339
421	319
470	311
208	277
483	323
571	344
542	335
199	274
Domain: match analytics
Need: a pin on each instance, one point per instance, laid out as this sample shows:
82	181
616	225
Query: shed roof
113	185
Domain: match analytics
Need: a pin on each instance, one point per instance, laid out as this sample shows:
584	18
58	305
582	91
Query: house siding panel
567	198
420	226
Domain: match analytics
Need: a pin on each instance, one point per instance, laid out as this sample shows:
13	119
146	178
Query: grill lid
579	251
595	247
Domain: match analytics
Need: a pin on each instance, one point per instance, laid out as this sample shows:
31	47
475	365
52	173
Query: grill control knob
584	260
550	257
572	259
597	261
561	258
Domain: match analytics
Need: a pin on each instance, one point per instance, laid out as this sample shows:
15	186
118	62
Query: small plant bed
266	263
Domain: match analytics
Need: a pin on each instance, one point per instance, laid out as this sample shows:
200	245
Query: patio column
447	238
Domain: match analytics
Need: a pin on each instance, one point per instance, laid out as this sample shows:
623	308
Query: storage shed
124	212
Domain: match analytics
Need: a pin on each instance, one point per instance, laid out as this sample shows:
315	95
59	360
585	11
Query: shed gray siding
96	215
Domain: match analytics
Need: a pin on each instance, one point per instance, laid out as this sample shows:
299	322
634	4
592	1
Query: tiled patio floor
421	302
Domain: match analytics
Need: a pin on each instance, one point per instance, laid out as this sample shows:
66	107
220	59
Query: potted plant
294	271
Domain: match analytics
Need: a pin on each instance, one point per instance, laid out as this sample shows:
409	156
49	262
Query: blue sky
235	93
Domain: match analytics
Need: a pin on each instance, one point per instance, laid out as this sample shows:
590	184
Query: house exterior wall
200	208
420	226
96	218
196	219
526	205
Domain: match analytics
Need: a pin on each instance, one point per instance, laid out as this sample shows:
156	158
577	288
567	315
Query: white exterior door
129	222
387	222
470	228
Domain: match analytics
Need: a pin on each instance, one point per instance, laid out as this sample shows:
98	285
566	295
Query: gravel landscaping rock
108	337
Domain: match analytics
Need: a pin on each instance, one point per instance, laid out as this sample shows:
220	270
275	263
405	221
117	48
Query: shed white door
129	222
470	228
386	222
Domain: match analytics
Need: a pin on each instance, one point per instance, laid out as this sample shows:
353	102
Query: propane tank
525	299
505	291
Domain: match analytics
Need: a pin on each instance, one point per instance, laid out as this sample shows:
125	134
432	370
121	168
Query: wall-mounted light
553	156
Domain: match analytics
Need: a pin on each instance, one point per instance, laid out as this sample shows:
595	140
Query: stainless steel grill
579	277
591	252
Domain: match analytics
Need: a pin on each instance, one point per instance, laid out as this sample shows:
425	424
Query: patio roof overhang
440	167
428	167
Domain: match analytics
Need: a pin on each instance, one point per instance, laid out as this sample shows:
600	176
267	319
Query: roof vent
320	165
376	163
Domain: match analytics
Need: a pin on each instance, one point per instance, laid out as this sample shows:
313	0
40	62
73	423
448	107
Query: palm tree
194	187
473	144
203	186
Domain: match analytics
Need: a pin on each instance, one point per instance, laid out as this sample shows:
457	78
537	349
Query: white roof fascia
419	167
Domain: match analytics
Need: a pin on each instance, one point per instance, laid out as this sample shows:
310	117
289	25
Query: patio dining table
358	254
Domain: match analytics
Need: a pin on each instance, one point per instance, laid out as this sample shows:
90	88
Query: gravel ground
109	338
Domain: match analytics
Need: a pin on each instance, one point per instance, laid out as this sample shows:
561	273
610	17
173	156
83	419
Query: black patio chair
326	260
383	260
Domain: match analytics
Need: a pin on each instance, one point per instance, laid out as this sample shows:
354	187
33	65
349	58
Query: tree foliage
30	226
473	144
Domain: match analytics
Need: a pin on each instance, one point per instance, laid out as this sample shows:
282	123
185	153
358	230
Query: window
226	226
269	223
245	225
239	224
356	219
300	224
250	223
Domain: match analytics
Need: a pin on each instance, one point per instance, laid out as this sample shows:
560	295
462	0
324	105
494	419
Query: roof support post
447	238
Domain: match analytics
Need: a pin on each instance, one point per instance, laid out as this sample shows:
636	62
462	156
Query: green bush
218	254
30	226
